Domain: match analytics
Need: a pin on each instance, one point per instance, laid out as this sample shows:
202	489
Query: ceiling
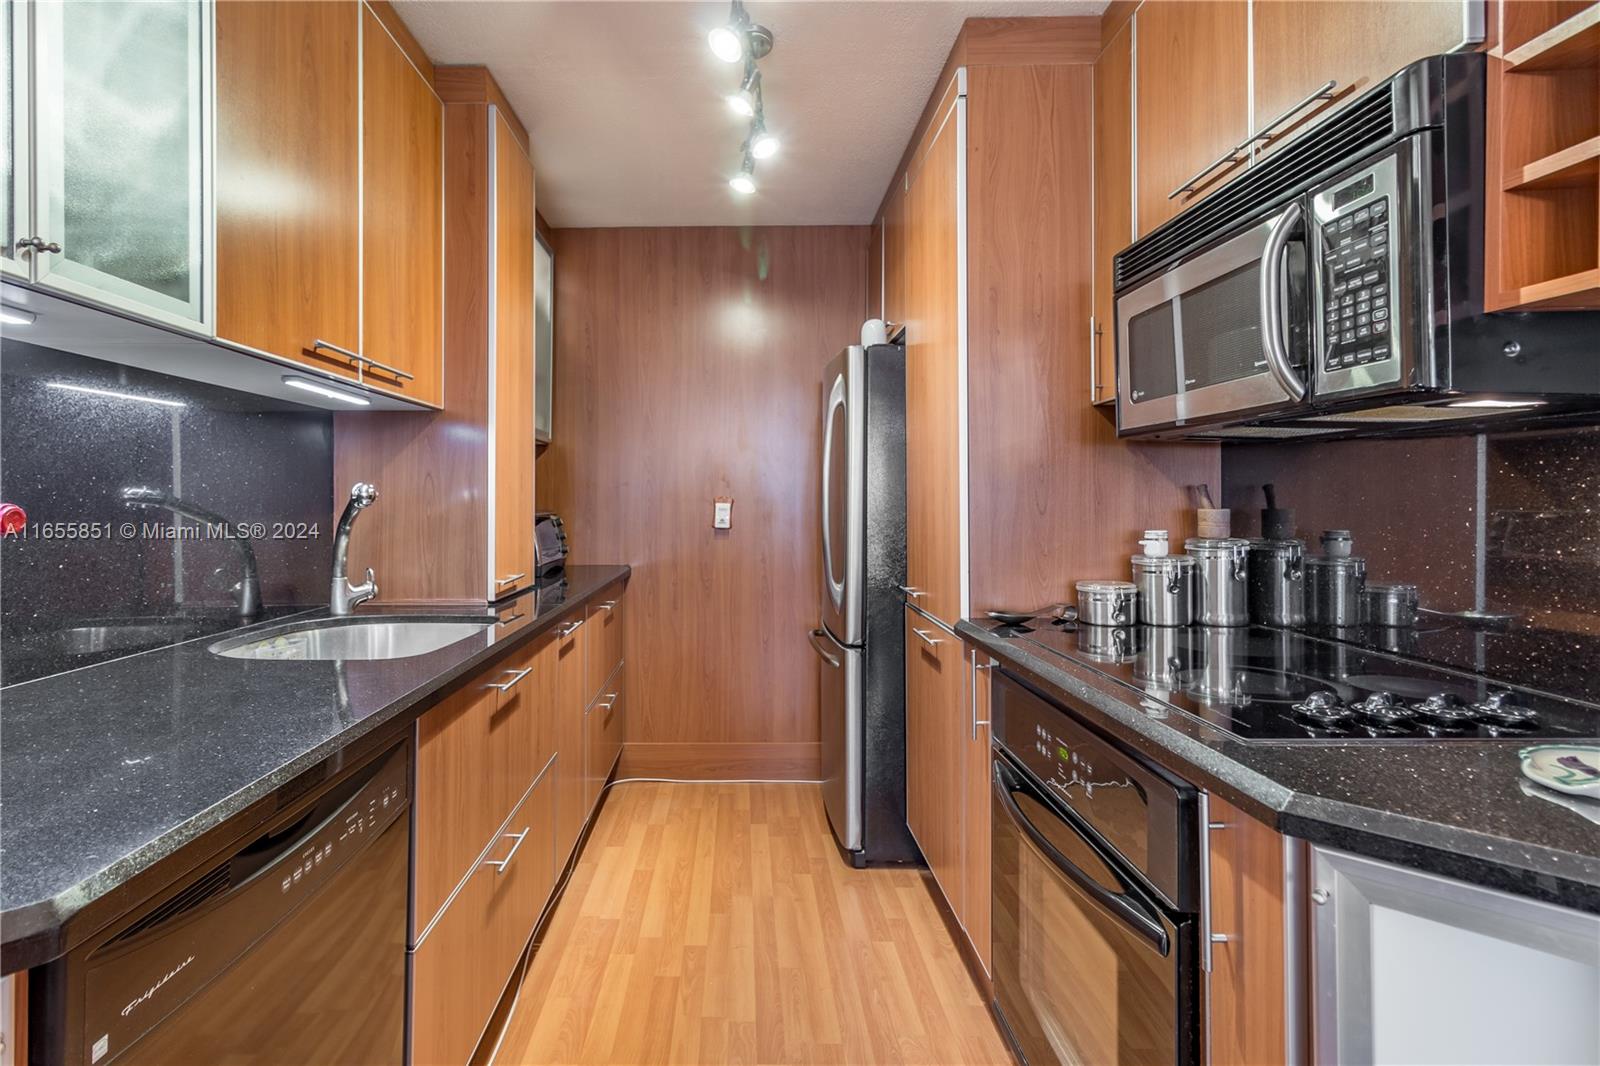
623	100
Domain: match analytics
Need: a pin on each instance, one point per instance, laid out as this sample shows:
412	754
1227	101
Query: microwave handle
1272	319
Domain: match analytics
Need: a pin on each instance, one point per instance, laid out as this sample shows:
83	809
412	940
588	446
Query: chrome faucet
249	586
345	596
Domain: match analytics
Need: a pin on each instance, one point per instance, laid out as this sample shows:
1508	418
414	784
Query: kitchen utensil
1333	590
1011	618
1277	595
1390	606
1472	619
1221	597
1107	603
1570	768
1277	523
1166	589
1214	523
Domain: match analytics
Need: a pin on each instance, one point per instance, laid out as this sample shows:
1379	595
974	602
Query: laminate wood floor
715	923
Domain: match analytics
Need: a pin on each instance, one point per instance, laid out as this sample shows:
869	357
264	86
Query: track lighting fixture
740	38
744	182
748	99
763	145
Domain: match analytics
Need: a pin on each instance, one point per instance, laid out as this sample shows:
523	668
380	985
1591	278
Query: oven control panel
1356	236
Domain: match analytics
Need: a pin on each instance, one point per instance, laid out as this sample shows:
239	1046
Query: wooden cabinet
455	810
14	1019
975	792
511	362
1542	172
1299	47
1248	991
571	728
1192	101
329	224
935	720
402	221
934	399
894	254
604	653
602	739
1113	201
288	178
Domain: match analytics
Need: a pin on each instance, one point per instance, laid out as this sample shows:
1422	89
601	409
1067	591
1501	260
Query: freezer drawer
839	671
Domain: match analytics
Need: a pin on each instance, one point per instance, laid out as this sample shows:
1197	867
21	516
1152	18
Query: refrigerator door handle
836	399
817	637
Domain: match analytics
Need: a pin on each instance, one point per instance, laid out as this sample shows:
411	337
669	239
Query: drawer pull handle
509	579
501	864
912	593
928	638
362	361
569	629
609	605
516	675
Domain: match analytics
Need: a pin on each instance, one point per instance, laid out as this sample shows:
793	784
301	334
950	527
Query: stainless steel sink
353	638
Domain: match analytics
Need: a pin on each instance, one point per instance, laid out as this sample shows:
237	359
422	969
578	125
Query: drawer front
607	716
571	717
605	642
456	806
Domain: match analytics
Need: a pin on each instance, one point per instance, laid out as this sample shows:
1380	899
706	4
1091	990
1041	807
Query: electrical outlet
722	512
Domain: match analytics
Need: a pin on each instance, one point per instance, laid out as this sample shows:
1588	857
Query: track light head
727	43
739	38
744	182
762	145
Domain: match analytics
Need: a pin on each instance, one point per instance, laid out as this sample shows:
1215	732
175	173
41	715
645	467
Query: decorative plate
1570	768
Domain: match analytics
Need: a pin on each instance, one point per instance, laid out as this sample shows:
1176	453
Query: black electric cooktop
1261	683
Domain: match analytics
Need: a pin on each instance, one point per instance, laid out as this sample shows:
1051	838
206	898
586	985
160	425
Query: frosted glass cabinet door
18	220
121	98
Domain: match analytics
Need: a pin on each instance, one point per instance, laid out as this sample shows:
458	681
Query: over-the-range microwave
1336	287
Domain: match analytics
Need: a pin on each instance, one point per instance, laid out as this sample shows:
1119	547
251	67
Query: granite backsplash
93	575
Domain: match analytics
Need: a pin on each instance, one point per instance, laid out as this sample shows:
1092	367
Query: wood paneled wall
689	366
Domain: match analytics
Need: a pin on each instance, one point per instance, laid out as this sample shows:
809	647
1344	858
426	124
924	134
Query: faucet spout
249	587
344	597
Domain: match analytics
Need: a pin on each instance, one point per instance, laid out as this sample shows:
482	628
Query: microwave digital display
1353	191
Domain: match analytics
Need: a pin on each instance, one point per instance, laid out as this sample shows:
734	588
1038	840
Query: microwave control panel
1356	345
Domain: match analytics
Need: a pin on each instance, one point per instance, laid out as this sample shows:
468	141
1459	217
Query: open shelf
1576	166
1570	293
1572	44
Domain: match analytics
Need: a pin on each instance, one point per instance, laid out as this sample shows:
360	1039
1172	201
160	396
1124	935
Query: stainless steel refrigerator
860	642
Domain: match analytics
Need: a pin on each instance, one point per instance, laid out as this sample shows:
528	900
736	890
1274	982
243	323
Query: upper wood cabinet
1192	75
1113	199
930	290
329	212
1300	47
402	181
288	179
512	362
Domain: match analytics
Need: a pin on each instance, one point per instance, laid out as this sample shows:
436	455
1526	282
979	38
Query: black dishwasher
290	949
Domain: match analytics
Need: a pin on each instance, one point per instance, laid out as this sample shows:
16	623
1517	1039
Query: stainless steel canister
1106	603
1221	587
1333	590
1389	606
1278	582
1108	644
1166	589
1165	656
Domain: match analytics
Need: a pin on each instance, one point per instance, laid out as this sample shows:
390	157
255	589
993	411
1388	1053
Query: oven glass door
1196	342
1087	969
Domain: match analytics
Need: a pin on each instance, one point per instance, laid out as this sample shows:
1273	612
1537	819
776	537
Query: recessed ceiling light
13	316
112	394
307	385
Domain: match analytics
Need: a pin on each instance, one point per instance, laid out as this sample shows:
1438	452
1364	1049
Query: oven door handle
1133	913
1273	326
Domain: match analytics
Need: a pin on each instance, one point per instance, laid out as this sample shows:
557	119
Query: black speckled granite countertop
110	770
1459	808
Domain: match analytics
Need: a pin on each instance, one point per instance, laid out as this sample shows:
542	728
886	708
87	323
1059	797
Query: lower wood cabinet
571	721
1249	990
603	737
604	653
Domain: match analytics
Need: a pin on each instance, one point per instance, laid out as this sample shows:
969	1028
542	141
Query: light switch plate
722	512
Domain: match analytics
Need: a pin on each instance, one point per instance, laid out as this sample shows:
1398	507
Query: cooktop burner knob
1384	709
1323	707
1445	709
1498	708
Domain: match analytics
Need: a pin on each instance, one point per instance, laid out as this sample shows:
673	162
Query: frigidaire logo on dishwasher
153	989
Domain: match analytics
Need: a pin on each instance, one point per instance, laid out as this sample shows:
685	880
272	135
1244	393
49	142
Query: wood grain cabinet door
935	727
288	178
604	651
1113	198
1192	97
457	805
402	180
571	712
975	791
512	362
1300	47
933	379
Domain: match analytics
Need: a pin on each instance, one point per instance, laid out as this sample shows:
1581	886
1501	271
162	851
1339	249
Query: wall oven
1095	880
1337	287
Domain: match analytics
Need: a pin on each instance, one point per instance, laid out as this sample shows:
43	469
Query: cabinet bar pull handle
976	666
1326	92
322	345
509	579
609	605
516	675
913	593
501	864
928	638
569	629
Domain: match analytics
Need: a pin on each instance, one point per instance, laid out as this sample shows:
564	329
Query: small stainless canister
1278	582
1220	580
1333	590
1166	589
1106	603
1389	606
